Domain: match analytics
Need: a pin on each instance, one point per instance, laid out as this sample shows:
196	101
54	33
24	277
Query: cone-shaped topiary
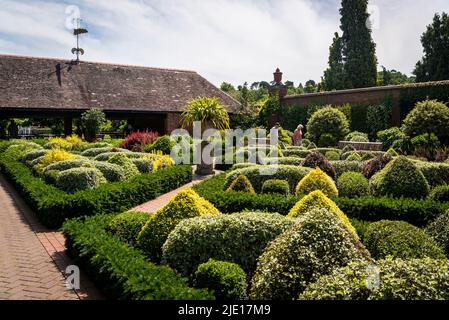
187	204
317	180
316	245
241	184
318	200
400	178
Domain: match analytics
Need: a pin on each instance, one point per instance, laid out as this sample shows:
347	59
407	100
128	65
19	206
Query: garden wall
402	98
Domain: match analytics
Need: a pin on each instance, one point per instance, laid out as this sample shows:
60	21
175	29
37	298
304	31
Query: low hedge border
53	206
416	212
119	269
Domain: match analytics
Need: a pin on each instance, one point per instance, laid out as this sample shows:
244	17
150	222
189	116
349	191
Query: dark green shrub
436	174
127	226
226	279
389	136
374	166
238	238
317	160
348	148
186	204
34	154
296	153
368	156
164	144
79	179
241	184
126	164
439	231
91	121
316	245
378	117
257	175
276	187
357	136
143	165
400	178
288	161
400	240
397	279
312	146
440	193
327	140
354	156
347	166
428	116
360	227
332	156
120	270
330	121
353	185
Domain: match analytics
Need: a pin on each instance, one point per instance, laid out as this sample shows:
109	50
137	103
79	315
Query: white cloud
224	40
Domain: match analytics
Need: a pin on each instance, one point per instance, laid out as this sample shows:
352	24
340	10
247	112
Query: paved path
32	258
158	203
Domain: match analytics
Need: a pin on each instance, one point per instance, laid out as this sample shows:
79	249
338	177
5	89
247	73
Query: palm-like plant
205	110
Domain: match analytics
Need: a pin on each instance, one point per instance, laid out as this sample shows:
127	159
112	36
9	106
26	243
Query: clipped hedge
436	174
276	187
112	172
439	231
241	184
317	180
347	166
400	240
126	226
440	193
69	164
54	206
353	185
79	179
238	238
121	271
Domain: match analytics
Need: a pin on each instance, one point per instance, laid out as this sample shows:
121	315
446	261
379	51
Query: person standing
297	137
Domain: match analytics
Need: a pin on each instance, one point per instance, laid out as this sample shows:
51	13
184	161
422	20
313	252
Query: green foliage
257	175
93	152
143	165
163	144
428	116
69	164
357	136
276	187
317	160
353	185
126	164
400	178
435	41
439	231
332	156
400	240
317	180
186	204
120	270
436	174
347	166
360	227
238	238
378	118
328	120
314	246
205	110
354	156
392	153
241	184
397	279
440	193
91	122
112	172
226	279
33	154
389	136
79	179
327	140
374	166
334	76
126	226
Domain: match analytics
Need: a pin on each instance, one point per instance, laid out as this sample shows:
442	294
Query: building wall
172	122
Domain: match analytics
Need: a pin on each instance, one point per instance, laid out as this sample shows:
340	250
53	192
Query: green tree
91	122
358	48
227	87
434	66
334	76
311	87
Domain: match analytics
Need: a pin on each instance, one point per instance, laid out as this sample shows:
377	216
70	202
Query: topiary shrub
353	185
32	155
238	238
357	136
428	116
315	245
126	226
97	145
187	204
70	164
276	187
317	180
257	175
93	152
377	164
414	279
137	140
392	153
112	172
327	140
226	279
368	156
164	144
317	160
348	166
354	156
439	231
436	174
328	120
389	136
79	179
400	240
440	193
143	165
312	146
241	184
318	200
332	156
348	148
54	156
400	178
126	164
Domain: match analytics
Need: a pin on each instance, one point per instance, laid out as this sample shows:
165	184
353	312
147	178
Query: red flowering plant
137	140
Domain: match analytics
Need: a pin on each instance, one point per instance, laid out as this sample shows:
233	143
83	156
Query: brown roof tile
45	83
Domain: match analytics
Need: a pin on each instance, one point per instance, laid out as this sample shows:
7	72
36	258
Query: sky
223	40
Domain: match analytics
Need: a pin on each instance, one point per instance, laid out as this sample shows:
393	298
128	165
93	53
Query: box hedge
276	187
317	180
79	179
439	231
127	226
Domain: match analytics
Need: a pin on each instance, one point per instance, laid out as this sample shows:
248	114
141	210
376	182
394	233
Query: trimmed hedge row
54	206
120	270
416	212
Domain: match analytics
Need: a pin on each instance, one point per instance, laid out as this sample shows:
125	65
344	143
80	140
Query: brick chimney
278	77
278	87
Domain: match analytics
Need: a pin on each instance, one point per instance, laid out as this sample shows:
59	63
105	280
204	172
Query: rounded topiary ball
329	121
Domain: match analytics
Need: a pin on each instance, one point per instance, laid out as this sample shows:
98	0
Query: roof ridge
96	62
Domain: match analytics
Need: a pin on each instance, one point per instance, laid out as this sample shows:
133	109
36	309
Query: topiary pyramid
318	200
241	184
187	204
317	180
400	178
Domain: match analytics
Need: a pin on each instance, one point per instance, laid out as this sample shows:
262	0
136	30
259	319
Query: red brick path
32	258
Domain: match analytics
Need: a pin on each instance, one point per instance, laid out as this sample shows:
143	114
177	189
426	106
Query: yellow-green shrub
317	180
318	200
54	156
75	141
58	143
241	184
187	204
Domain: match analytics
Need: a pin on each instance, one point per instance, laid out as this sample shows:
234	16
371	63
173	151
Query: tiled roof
45	83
